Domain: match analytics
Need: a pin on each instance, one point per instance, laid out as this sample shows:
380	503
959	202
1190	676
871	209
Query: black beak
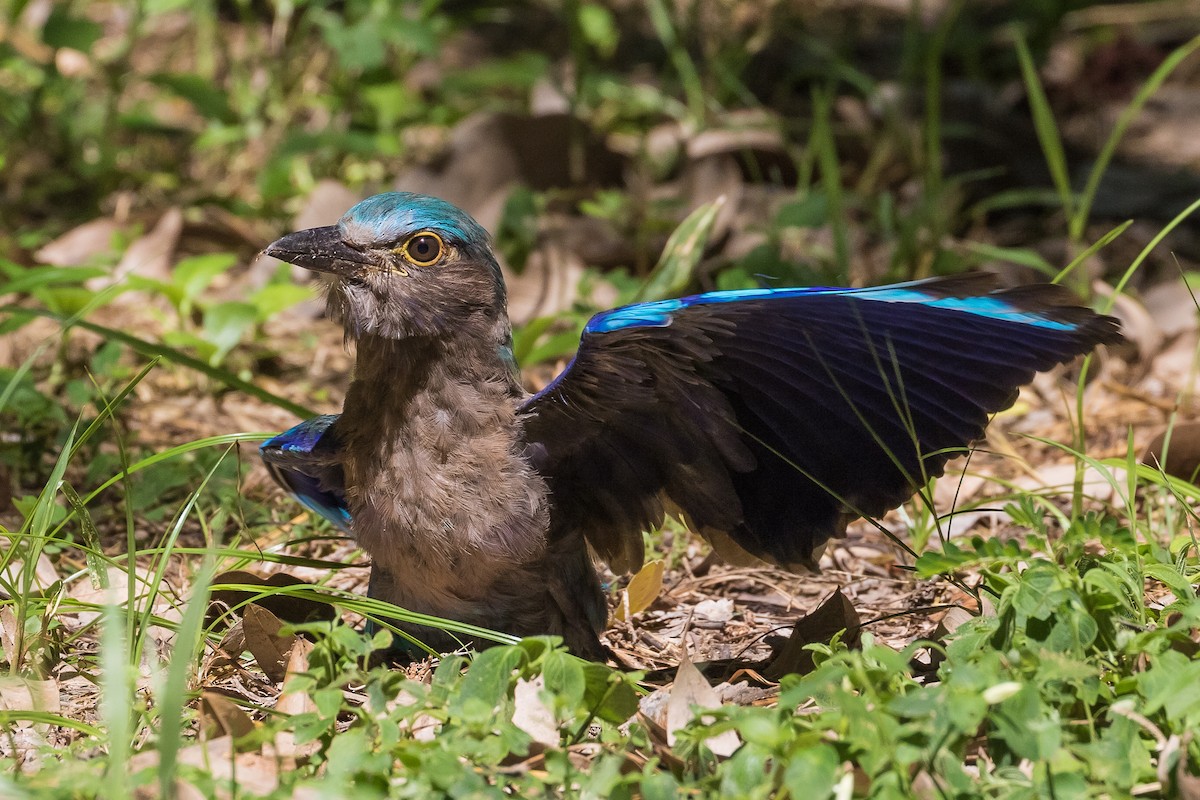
321	250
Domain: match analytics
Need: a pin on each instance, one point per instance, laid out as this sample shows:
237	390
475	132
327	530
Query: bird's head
404	265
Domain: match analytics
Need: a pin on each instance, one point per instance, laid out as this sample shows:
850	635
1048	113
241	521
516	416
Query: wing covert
304	460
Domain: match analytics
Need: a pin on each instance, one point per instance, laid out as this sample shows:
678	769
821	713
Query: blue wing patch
931	293
304	461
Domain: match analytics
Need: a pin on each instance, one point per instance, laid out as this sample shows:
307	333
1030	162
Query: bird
765	419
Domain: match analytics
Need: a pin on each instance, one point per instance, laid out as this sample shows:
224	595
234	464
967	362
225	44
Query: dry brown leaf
548	285
1061	478
689	694
234	640
835	614
719	609
1172	306
270	648
254	773
531	715
80	245
295	702
1137	324
642	590
424	727
1188	785
1176	366
285	607
44	574
9	631
29	694
951	621
150	255
1182	451
223	717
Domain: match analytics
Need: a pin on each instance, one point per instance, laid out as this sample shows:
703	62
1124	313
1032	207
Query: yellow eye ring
423	248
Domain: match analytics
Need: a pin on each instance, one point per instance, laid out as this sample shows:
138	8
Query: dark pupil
422	248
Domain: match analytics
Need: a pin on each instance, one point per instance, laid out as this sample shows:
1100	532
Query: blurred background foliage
908	121
149	150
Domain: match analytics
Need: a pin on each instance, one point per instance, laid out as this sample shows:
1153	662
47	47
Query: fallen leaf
715	610
270	648
1187	784
286	607
217	759
951	621
642	590
9	632
1176	450
1173	307
1175	366
531	715
1137	324
29	694
690	694
423	726
295	702
833	615
220	716
44	573
81	245
150	255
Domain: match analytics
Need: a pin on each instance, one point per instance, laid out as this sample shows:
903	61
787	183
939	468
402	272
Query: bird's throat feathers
433	459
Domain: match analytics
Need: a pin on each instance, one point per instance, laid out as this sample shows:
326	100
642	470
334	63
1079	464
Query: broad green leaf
193	275
225	324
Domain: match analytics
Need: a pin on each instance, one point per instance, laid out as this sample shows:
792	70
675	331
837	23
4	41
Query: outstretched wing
773	417
303	459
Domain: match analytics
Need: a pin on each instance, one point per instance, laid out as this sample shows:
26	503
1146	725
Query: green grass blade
188	641
1045	126
1147	90
681	254
152	349
117	685
1146	251
1101	243
822	142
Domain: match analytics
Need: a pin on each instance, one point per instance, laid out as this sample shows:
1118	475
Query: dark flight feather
775	416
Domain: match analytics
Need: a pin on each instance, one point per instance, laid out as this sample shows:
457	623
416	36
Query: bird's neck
393	374
434	462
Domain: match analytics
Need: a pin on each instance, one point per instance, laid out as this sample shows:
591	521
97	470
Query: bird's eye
423	248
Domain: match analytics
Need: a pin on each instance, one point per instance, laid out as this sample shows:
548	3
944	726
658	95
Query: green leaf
565	677
225	324
359	46
488	683
207	97
682	253
1014	255
34	278
64	30
609	694
598	28
276	297
812	771
193	275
